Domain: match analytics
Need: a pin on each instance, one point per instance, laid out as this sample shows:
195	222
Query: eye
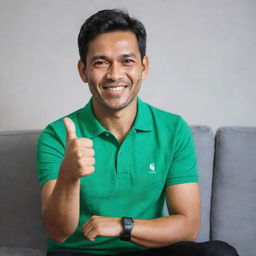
128	62
100	63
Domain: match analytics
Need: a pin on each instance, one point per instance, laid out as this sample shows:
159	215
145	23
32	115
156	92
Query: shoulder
166	119
163	113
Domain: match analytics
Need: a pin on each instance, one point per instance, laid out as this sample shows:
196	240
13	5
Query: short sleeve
183	167
49	155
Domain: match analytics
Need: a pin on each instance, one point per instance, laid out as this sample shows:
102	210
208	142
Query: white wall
202	52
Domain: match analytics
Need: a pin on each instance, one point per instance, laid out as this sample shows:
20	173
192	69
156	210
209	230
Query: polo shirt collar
89	121
93	128
143	120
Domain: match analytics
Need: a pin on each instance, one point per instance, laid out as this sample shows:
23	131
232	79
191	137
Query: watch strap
128	224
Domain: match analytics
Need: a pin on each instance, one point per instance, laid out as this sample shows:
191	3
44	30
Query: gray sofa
227	169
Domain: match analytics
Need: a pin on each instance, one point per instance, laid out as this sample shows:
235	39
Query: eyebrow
126	55
102	57
96	57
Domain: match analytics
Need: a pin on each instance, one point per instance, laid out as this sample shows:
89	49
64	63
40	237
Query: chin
117	106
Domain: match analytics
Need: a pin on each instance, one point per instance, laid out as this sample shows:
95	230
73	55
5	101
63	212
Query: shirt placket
123	161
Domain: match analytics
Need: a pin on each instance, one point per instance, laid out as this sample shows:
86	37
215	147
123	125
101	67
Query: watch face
128	221
128	225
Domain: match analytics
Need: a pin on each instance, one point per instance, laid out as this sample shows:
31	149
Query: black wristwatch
128	224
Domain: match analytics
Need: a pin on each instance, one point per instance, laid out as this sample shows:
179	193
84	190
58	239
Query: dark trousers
211	248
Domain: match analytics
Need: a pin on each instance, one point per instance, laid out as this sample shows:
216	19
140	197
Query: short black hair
108	21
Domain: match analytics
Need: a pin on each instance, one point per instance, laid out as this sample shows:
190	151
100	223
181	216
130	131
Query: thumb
70	128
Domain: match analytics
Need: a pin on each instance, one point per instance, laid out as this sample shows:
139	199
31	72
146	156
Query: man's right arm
60	199
60	208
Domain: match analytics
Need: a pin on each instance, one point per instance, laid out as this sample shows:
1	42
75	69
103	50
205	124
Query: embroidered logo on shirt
152	168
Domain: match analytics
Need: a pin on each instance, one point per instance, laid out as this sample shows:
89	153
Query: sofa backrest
234	189
204	143
20	221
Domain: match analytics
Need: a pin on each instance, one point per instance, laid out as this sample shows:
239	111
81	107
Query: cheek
135	74
96	76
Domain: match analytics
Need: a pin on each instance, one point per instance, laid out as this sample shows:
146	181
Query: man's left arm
183	224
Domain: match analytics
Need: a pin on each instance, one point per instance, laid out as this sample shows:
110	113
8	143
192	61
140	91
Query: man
106	169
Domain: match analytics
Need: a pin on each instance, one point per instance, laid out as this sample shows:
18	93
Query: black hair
108	21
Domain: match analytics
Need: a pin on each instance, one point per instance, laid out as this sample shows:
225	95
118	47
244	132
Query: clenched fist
79	154
102	226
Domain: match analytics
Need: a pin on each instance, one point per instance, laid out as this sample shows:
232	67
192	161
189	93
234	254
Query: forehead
111	43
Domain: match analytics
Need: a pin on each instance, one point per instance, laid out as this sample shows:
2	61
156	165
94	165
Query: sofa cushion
234	189
204	143
8	251
20	220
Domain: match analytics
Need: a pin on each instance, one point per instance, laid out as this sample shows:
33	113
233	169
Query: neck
118	122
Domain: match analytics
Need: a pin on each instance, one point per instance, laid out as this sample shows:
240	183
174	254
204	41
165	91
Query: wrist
66	180
127	224
120	227
65	174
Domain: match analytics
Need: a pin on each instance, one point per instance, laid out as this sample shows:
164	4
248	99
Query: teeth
116	88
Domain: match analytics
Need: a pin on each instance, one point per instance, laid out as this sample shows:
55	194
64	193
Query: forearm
164	231
61	213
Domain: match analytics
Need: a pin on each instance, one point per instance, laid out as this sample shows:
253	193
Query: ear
82	71
145	67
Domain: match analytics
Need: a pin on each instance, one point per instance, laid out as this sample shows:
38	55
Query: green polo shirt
129	178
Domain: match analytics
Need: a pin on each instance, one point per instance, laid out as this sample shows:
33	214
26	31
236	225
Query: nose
115	72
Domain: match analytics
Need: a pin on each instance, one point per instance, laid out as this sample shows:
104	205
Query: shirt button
107	134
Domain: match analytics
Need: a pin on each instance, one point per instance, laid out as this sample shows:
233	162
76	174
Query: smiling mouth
116	88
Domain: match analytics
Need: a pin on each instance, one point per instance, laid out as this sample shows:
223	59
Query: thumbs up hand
79	154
